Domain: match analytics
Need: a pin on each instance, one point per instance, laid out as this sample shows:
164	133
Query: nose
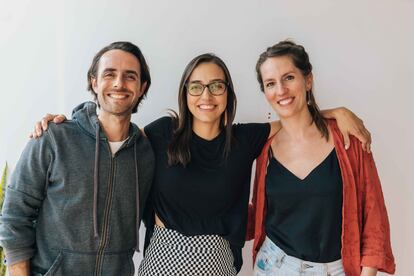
118	82
280	89
206	93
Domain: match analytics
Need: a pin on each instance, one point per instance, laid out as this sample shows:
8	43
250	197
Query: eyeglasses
216	88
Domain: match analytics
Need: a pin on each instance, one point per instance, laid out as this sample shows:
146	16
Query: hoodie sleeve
23	199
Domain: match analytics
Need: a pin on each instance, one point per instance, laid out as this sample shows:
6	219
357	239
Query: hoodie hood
86	117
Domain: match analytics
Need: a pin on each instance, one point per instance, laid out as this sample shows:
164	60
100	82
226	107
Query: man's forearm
20	269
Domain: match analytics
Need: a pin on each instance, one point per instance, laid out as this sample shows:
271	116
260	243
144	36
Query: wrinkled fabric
365	225
271	260
52	204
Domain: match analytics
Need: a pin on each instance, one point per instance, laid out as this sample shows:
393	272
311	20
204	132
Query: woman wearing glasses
202	177
317	209
196	222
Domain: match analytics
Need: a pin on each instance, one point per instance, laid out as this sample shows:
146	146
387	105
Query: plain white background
362	52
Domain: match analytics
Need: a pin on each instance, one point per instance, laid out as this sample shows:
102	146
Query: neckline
310	172
201	139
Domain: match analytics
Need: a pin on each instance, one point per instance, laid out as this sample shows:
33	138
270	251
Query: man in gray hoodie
76	197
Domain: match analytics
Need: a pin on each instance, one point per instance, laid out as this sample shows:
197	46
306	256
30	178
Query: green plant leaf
3	185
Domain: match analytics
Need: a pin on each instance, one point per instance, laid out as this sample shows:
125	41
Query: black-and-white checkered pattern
173	254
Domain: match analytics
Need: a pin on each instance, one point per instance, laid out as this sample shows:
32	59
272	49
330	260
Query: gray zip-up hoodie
72	207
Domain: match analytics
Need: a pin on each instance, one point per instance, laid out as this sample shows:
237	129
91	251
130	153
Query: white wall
361	52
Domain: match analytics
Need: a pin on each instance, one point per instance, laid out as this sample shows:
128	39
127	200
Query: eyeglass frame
208	87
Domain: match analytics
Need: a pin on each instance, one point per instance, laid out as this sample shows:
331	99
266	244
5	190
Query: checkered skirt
171	253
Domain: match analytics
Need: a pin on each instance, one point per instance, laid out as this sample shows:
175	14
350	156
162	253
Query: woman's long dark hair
301	60
179	148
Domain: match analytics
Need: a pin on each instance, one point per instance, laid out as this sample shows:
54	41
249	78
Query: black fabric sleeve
159	128
254	135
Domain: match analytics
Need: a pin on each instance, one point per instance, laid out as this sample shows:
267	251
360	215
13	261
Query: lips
117	96
206	106
286	101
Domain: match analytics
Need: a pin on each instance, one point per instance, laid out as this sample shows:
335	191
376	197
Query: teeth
206	106
286	101
115	96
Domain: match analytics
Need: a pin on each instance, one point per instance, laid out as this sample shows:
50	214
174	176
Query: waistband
279	257
197	243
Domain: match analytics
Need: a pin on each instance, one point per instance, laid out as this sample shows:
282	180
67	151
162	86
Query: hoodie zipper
104	236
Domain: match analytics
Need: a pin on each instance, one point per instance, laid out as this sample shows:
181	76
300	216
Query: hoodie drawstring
95	184
137	196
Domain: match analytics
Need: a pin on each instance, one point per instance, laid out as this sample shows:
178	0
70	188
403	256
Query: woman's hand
350	124
42	125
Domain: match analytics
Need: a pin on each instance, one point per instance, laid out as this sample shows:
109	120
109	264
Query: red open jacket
365	226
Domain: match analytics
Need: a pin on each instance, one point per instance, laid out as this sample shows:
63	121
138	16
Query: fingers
364	146
33	134
45	120
37	131
59	118
346	140
52	118
369	140
364	136
41	126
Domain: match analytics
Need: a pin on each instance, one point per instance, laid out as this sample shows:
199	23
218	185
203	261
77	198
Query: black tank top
304	217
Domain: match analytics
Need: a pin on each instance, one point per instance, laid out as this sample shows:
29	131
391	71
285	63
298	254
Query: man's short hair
129	48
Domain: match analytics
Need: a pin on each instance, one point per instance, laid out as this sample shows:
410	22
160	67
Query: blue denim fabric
271	261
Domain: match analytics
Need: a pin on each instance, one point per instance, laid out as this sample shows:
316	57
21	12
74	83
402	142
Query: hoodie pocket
55	265
80	264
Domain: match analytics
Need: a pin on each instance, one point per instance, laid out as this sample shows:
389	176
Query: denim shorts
271	260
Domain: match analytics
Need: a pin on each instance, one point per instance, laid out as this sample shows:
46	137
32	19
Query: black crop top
210	195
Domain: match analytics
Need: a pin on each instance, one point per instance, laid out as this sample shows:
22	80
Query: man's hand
42	125
19	269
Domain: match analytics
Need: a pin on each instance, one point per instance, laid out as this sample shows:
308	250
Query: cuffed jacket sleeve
365	222
375	237
23	199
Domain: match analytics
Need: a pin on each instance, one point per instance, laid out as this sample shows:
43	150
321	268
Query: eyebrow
127	71
287	73
214	80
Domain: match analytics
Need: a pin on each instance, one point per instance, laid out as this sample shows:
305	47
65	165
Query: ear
143	88
309	81
94	84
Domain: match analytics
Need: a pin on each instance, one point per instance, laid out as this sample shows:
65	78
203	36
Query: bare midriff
159	222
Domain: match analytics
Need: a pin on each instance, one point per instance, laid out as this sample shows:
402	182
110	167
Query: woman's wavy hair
179	148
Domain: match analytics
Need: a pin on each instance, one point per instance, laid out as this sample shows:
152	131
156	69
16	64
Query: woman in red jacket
317	209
